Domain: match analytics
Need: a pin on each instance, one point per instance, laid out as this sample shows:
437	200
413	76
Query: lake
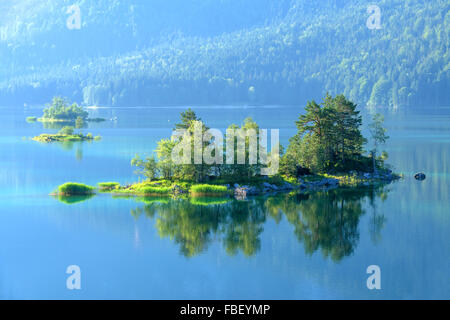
290	246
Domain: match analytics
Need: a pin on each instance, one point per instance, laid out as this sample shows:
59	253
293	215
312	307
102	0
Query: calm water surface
284	247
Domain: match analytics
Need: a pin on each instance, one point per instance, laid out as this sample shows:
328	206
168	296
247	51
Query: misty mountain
224	52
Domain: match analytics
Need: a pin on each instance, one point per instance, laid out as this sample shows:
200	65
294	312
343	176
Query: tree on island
148	167
59	110
187	119
250	167
163	165
379	137
329	139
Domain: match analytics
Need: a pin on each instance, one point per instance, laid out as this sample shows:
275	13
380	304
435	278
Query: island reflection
325	221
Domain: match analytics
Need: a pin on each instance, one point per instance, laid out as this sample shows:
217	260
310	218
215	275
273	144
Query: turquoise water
285	247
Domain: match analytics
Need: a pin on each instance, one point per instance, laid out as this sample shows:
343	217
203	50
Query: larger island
327	152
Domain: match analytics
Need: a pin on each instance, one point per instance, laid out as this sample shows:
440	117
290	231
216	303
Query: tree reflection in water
327	221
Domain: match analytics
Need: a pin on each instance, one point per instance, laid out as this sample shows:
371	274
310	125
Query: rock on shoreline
355	180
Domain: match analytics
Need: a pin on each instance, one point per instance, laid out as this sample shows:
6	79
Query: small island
31	119
59	111
66	134
326	153
74	189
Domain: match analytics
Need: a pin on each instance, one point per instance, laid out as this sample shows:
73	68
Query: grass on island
147	190
165	188
31	119
66	134
63	138
354	180
108	186
75	189
208	189
255	181
140	189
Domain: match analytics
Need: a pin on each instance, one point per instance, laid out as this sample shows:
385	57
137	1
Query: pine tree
378	135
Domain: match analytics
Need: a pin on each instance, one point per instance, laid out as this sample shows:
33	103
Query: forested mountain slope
225	51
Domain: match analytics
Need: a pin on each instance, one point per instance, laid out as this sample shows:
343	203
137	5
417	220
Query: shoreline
48	138
312	183
66	121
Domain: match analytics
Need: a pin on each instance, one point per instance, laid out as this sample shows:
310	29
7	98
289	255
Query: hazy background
169	52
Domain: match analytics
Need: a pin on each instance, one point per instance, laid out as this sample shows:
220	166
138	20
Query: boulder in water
420	176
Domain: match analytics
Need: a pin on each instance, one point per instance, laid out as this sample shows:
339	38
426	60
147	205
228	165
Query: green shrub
75	189
208	189
154	190
108	186
31	119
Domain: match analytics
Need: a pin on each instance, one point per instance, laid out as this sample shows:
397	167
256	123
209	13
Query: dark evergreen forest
169	52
